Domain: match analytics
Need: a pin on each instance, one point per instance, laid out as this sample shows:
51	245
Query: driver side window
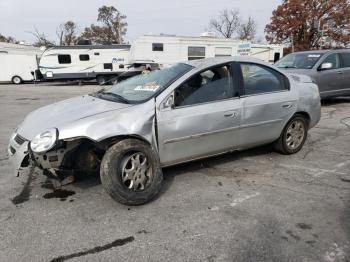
334	59
211	85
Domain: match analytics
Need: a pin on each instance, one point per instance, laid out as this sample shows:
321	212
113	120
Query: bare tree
247	30
41	39
66	33
227	23
60	33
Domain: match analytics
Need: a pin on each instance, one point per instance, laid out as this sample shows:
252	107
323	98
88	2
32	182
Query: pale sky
181	17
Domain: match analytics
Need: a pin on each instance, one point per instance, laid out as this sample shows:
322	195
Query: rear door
268	103
204	117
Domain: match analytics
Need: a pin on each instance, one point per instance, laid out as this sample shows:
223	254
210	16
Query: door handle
230	115
287	106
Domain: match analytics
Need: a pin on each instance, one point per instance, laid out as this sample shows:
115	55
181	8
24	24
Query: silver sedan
189	111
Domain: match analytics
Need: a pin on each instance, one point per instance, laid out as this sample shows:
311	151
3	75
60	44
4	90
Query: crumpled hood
64	112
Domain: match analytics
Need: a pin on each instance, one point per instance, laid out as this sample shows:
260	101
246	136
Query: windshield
142	87
299	60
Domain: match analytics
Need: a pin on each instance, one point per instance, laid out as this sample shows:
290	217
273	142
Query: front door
345	56
330	81
204	119
267	103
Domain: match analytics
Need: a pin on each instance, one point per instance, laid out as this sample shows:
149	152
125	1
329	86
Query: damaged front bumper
18	151
65	160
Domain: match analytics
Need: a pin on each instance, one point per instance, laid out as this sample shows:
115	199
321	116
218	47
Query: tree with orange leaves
310	24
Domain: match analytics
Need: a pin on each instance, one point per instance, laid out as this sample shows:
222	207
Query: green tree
67	33
112	27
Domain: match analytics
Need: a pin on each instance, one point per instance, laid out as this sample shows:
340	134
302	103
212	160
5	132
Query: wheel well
304	114
85	146
107	143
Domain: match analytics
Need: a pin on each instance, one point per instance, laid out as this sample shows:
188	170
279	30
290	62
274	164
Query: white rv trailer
18	63
169	49
88	62
267	53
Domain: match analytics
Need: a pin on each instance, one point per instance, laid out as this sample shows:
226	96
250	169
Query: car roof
324	51
208	62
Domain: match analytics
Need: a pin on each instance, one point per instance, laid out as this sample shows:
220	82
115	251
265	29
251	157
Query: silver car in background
330	69
189	111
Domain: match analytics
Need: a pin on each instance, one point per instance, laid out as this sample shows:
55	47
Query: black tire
17	80
282	146
111	172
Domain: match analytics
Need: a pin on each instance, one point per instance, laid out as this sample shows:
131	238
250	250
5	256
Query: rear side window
258	79
346	59
84	57
64	59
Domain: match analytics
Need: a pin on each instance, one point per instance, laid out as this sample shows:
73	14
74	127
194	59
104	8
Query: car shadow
170	173
334	101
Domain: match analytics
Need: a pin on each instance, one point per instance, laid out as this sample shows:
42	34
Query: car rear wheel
130	172
293	136
17	80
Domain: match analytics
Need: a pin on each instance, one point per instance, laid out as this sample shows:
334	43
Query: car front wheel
293	136
130	172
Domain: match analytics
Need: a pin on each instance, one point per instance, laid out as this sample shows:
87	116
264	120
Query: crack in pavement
98	249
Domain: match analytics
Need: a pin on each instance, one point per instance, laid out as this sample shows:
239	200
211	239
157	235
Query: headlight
44	141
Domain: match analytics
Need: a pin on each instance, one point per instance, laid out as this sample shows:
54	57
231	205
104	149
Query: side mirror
326	66
169	102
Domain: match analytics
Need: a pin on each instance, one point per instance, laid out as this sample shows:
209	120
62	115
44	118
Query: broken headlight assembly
44	141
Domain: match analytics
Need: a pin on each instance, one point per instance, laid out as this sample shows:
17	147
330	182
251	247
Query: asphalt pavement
255	205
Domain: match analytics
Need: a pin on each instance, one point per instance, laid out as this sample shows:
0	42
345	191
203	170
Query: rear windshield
299	60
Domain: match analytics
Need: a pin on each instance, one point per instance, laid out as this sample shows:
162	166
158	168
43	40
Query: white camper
86	62
18	63
169	49
267	53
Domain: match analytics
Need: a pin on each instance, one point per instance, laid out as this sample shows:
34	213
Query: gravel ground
254	205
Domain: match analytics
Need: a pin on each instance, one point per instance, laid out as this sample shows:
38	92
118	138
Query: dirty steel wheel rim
136	172
295	134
